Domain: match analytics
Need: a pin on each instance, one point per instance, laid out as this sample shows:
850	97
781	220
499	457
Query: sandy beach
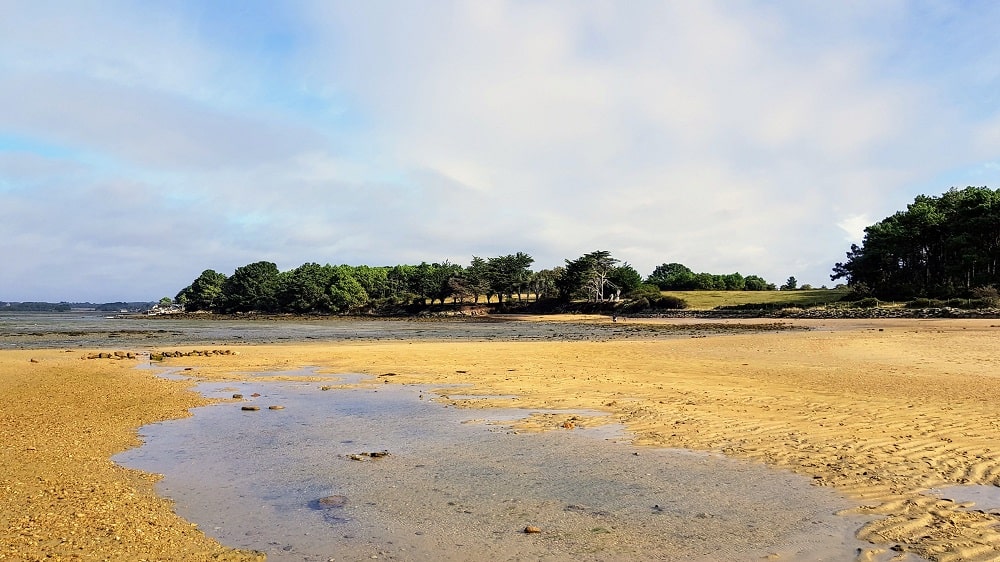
879	411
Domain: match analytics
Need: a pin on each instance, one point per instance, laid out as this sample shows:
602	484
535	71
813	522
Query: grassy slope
712	299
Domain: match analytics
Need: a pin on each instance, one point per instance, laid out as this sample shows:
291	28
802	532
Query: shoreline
878	410
62	497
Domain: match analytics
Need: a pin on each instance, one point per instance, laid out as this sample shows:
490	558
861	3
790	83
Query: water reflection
300	483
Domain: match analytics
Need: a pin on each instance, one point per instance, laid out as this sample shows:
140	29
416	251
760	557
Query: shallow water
458	485
90	329
981	496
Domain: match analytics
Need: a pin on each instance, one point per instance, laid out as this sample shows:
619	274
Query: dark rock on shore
161	355
112	355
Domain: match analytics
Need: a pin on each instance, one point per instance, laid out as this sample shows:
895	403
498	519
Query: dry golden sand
879	411
61	497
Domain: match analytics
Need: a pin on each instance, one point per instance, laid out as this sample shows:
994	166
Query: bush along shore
826	313
865	309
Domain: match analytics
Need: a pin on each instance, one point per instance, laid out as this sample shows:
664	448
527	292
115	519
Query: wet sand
880	411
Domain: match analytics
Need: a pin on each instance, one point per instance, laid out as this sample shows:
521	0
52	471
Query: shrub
646	291
789	311
867	302
988	295
924	303
670	302
858	291
638	305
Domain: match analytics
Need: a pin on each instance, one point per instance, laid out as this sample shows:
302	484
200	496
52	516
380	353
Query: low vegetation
704	300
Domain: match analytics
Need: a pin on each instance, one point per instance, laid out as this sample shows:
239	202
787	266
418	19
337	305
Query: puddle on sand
984	497
282	481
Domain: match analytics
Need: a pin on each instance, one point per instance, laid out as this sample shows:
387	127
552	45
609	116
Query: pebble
275	407
332	501
237	396
250	408
531	529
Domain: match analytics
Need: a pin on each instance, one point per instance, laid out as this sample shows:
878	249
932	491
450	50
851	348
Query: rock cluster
112	355
160	355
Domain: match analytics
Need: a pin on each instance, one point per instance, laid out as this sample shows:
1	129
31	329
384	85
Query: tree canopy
940	246
328	289
679	277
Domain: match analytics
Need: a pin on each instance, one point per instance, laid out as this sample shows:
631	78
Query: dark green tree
756	283
672	277
938	247
588	277
509	274
252	288
545	283
734	282
625	279
304	289
374	280
477	279
345	292
204	293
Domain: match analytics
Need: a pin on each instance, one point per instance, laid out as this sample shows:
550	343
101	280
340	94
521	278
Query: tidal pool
459	485
982	497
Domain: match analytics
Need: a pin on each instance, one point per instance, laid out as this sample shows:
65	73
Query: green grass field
710	299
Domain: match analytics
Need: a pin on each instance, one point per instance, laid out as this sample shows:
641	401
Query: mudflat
880	411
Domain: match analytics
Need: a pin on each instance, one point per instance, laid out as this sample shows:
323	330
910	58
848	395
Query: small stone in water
332	501
250	408
275	407
237	396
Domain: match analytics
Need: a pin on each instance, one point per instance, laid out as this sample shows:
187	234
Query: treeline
940	247
678	277
68	306
313	288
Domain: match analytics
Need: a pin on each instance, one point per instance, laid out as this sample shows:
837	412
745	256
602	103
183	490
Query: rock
250	408
275	407
373	455
238	396
531	530
568	425
33	360
330	502
255	394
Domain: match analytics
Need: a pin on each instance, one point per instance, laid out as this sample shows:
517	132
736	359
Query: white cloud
854	227
729	137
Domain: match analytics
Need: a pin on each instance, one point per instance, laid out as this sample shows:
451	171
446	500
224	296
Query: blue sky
143	142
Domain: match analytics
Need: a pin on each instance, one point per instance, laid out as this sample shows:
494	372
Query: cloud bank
140	145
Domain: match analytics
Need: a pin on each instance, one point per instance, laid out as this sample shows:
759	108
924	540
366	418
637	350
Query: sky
142	143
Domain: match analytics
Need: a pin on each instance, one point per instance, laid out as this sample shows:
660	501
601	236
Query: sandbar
882	412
